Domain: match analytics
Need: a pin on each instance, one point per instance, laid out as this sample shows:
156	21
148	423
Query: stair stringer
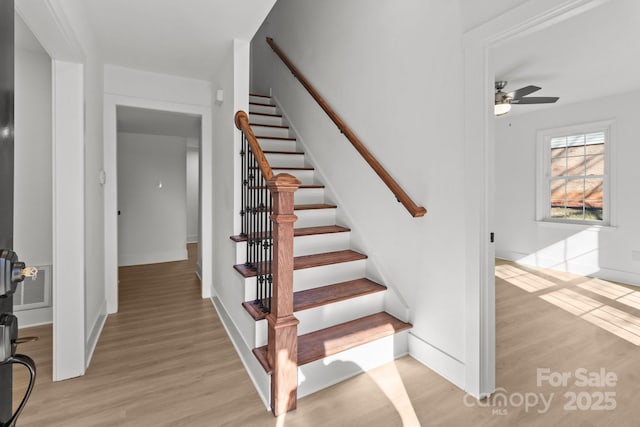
395	304
260	379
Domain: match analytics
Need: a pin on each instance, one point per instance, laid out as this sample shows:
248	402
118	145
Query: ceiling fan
504	100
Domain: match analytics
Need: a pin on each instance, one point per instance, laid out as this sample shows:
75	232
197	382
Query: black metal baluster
260	265
243	201
256	224
270	242
265	240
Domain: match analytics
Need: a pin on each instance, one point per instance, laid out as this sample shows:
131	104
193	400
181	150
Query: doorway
158	184
480	173
113	103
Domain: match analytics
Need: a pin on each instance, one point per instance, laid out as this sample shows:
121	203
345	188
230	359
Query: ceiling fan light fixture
501	108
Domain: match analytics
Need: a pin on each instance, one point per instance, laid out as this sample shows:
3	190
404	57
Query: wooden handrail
401	195
242	123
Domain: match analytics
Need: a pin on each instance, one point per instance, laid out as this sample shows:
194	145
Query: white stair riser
344	311
335	273
316	276
304	196
329	315
284	160
304	176
315	217
277	145
260	99
331	370
266	120
269	131
264	109
306	245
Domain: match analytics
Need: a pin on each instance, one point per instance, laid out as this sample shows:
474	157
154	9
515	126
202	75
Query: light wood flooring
165	360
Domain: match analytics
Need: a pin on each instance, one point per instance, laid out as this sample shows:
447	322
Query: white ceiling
590	56
155	122
188	38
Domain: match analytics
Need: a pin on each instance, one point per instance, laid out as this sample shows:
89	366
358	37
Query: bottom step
326	342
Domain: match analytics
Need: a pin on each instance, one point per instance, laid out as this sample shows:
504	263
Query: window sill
575	225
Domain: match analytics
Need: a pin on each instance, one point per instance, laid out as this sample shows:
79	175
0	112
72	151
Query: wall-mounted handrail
401	195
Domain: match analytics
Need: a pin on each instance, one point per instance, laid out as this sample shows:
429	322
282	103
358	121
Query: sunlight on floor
280	420
523	279
621	323
571	301
606	289
388	379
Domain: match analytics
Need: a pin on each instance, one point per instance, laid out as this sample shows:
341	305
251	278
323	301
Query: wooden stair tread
276	138
345	336
306	231
280	168
297	153
269	126
326	342
261	187
313	206
261	104
310	261
264	114
323	295
260	96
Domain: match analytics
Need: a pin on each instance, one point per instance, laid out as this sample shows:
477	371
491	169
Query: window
573	174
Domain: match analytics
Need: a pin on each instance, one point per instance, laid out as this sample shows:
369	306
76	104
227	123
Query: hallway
163	359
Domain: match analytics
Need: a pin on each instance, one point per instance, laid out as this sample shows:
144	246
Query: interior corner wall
395	76
152	199
232	78
33	224
600	252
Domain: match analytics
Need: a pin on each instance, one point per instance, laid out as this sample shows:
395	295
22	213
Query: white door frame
527	18
50	25
111	102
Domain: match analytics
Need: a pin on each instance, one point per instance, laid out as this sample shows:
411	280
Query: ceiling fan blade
536	100
524	91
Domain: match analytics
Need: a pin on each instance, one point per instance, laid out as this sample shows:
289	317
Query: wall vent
32	294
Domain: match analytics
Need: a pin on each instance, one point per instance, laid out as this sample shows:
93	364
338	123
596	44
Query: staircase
343	327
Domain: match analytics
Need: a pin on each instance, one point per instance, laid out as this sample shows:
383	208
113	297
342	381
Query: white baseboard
152	258
96	331
259	377
192	239
437	360
627	277
34	317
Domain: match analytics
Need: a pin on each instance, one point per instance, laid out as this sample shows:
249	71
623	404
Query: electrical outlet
635	255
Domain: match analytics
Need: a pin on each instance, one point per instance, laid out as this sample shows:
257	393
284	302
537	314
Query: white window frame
543	172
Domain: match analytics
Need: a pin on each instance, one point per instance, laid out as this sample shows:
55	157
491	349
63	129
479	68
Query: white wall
229	78
152	199
32	201
141	89
33	173
604	252
193	193
393	70
477	12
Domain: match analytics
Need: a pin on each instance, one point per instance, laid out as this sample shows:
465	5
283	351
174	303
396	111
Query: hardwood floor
165	360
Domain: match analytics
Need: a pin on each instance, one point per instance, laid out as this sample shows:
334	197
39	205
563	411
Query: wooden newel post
282	347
